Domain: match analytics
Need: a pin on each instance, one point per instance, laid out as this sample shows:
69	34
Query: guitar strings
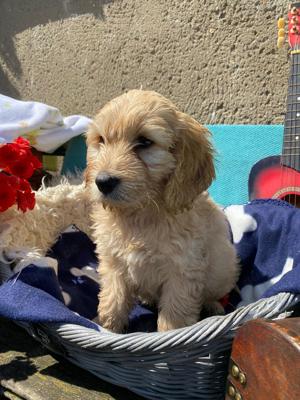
295	155
295	123
291	157
288	106
292	126
287	127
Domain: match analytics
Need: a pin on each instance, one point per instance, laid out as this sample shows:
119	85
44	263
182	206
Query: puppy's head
142	150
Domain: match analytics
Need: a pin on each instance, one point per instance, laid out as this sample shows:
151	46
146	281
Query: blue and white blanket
266	234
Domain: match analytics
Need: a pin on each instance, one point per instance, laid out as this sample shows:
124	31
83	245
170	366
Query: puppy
159	236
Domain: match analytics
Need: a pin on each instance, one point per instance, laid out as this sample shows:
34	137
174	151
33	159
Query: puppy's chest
154	255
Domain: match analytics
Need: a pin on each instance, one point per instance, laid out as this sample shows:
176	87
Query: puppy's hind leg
213	308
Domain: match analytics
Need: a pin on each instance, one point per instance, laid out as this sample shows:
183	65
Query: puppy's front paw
167	323
163	325
111	318
111	323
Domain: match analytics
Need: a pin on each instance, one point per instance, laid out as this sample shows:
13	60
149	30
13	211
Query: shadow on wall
19	15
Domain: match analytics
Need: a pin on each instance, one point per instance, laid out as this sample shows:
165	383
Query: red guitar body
269	179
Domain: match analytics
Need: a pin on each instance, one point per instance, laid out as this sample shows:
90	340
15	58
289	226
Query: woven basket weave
188	363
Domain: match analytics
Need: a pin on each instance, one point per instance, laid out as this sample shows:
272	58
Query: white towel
41	124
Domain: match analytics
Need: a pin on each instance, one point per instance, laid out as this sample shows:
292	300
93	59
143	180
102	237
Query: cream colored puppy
159	236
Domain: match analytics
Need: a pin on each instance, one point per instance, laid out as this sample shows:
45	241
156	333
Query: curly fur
159	236
31	234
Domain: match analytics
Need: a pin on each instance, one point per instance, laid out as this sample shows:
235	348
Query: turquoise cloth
75	156
238	148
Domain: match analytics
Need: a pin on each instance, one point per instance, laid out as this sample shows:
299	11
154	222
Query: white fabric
41	124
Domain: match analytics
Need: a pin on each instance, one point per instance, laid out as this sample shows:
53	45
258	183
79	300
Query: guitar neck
291	137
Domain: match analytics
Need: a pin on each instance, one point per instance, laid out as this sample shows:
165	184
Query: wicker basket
188	363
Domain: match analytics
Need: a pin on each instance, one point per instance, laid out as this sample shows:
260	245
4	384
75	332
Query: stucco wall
216	59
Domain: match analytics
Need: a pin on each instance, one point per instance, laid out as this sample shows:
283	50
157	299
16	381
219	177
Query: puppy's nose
106	183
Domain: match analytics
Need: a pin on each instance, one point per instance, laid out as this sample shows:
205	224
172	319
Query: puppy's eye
101	140
142	143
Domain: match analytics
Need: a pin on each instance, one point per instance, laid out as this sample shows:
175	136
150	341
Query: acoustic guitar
279	176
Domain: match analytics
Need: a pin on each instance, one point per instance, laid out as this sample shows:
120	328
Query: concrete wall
217	59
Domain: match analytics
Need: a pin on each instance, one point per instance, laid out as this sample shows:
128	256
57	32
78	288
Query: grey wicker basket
188	363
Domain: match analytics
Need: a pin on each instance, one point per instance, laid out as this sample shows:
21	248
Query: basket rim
204	331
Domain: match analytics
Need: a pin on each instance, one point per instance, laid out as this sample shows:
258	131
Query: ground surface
27	371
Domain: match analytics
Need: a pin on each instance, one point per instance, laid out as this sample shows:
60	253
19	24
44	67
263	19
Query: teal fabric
238	148
75	156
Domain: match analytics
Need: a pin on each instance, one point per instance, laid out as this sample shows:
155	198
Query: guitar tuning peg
294	10
294	20
281	23
281	32
280	42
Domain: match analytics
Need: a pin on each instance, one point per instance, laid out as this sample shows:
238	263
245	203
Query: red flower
17	164
8	191
22	168
17	159
9	153
25	197
22	143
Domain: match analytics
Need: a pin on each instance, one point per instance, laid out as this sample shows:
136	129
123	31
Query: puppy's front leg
180	304
115	299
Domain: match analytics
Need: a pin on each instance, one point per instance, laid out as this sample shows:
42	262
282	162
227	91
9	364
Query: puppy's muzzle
106	183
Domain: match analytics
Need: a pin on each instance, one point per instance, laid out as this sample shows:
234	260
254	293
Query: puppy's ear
90	140
194	170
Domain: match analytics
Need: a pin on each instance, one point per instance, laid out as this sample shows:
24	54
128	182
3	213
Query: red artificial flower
22	168
22	143
17	164
25	197
17	159
9	153
8	191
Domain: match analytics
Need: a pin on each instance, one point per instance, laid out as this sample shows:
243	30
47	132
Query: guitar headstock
293	28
